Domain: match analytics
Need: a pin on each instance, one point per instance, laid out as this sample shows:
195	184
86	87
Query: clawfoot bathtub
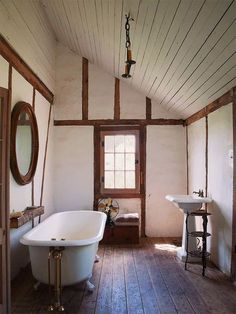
77	233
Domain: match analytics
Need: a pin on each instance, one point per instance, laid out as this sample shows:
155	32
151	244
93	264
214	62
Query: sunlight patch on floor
166	247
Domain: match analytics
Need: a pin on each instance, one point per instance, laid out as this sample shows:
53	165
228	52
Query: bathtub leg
36	285
89	285
97	258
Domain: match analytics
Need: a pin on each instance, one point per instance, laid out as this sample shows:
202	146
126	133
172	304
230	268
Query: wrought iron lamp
129	62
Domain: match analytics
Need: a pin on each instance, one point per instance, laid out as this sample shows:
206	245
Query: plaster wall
21	196
74	147
4	73
220	185
196	155
101	94
73	166
132	103
166	174
68	98
220	179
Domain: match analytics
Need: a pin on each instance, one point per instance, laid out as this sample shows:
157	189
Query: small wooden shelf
29	214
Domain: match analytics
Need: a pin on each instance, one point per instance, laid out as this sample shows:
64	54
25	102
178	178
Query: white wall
132	103
73	165
220	185
20	196
196	155
166	174
220	179
74	145
101	94
68	98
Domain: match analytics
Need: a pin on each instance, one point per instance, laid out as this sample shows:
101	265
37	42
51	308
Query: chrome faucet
200	193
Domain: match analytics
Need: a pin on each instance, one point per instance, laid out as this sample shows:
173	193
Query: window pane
109	161
109	180
119	162
119	179
129	161
130	143
130	179
119	143
109	144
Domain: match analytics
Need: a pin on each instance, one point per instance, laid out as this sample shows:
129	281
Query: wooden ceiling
185	50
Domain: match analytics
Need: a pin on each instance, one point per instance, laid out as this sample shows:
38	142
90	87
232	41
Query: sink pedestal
181	253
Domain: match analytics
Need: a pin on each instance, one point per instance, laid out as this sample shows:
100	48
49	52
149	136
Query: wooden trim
119	128
143	139
206	162
96	137
119	122
148	108
45	156
187	160
3	201
32	187
33	100
7	191
218	103
22	67
117	195
233	263
85	89
206	158
117	100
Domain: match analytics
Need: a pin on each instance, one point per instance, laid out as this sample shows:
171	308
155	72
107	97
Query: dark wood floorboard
135	279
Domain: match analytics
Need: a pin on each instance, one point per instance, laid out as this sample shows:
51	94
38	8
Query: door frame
4	203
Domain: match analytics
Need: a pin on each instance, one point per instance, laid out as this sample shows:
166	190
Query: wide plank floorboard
135	279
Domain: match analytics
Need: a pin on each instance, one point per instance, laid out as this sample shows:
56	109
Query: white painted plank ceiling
185	50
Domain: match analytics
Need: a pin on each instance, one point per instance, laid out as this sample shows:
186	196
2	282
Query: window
119	161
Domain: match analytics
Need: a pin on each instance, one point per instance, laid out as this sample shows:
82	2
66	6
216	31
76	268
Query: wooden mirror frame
17	111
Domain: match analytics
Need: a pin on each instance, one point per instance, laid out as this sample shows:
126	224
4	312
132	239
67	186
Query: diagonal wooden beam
8	53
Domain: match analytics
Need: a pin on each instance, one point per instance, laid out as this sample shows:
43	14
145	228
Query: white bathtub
82	231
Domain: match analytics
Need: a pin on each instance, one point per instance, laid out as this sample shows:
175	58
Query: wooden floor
145	278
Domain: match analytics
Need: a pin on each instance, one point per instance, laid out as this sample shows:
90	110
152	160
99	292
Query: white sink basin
188	203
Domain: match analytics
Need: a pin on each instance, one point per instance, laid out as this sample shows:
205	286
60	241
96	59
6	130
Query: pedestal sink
187	204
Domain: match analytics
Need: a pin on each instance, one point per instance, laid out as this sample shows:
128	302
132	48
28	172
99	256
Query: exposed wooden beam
8	53
85	89
32	187
187	159
148	108
120	122
233	264
220	102
117	100
45	156
143	179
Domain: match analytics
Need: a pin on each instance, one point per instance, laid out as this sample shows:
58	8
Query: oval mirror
24	143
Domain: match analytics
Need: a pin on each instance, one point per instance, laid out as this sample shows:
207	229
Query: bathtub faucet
55	254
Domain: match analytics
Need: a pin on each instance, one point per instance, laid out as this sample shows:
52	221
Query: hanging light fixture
129	62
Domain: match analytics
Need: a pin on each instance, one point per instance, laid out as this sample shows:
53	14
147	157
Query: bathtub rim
25	239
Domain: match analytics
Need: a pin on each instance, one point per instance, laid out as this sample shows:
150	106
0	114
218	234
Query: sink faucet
200	193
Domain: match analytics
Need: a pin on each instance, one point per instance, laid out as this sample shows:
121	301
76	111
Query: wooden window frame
122	193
